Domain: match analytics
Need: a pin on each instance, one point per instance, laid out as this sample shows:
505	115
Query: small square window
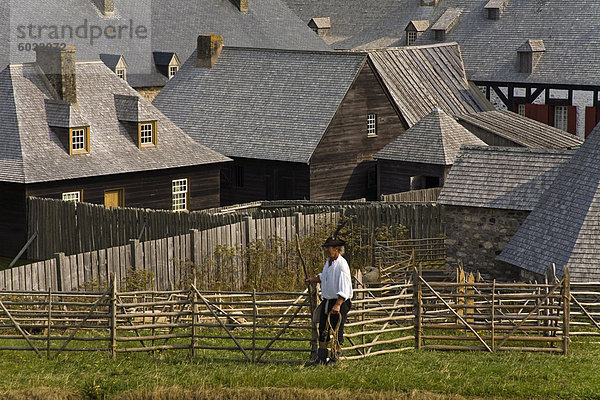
79	140
372	125
173	70
411	38
180	194
72	196
121	73
147	134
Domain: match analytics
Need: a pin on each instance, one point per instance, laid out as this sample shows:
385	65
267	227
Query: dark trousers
324	331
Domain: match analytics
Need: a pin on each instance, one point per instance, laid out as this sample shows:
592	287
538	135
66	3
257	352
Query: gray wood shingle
31	151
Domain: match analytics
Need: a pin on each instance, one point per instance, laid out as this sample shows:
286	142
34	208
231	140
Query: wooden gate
492	316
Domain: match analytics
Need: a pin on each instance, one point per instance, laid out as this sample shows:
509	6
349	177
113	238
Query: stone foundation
475	236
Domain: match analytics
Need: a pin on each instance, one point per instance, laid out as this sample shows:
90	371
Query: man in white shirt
336	289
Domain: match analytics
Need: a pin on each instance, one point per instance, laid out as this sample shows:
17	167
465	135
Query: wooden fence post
60	263
493	315
137	257
417	306
49	323
194	247
194	311
254	322
566	298
113	316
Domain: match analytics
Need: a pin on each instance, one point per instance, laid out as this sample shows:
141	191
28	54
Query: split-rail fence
385	318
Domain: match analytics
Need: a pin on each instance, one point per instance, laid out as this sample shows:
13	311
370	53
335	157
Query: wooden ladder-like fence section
254	326
492	316
396	259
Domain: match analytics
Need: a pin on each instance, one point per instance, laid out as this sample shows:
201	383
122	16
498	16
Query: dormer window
414	29
79	140
411	38
122	73
147	134
167	63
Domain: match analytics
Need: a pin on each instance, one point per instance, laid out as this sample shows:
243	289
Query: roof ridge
304	51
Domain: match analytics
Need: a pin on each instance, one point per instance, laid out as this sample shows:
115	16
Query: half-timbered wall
342	166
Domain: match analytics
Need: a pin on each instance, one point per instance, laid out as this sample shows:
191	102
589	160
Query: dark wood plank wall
13	221
263	180
149	189
489	138
394	176
341	164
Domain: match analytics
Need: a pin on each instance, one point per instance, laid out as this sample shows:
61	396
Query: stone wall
475	236
149	93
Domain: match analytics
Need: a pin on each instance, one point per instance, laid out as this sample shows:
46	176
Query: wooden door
114	198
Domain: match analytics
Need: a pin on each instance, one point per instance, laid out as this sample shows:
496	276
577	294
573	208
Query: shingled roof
569	30
171	26
31	151
261	103
436	139
511	178
521	130
563	227
422	78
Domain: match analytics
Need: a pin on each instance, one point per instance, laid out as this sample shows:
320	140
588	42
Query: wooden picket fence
419	196
168	261
56	226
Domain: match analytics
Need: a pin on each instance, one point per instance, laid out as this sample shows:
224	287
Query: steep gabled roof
511	178
569	30
436	139
170	26
422	78
31	150
261	103
521	130
563	226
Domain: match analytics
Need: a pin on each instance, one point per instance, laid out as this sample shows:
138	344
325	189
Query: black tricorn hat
333	242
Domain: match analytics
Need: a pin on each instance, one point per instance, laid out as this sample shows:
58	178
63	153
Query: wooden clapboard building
423	156
305	124
75	131
536	58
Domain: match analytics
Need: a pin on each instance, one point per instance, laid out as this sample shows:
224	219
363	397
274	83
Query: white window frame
561	117
121	73
147	134
79	140
411	37
72	196
372	125
173	69
521	109
180	191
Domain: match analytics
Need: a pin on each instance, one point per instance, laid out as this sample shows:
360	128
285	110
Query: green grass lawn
410	375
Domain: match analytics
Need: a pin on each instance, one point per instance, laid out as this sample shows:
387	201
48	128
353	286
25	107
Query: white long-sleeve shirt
336	279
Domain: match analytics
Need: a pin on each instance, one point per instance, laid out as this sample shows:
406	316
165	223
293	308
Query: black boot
321	357
334	358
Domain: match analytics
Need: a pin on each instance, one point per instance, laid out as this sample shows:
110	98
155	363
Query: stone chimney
242	5
209	49
107	7
59	67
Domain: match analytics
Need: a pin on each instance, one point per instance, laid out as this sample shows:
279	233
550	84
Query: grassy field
411	375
